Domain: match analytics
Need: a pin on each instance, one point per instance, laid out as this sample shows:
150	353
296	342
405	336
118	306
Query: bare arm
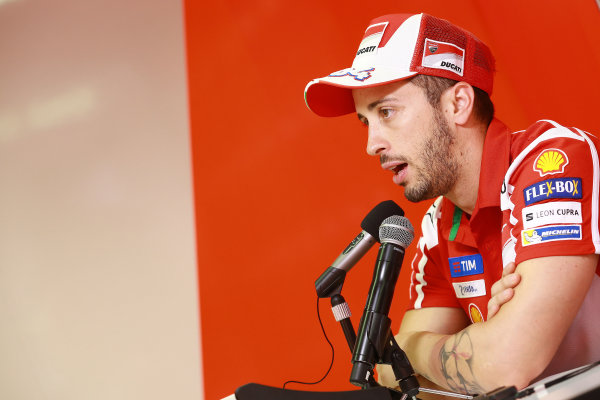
513	347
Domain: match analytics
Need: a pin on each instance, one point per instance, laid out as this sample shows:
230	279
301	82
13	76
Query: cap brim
331	96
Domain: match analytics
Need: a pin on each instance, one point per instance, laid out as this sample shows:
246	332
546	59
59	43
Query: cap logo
357	75
551	161
442	55
371	39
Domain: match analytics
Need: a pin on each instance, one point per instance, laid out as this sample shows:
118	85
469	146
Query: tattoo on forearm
456	357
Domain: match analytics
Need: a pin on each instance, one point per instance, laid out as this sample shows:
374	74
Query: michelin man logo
531	237
550	233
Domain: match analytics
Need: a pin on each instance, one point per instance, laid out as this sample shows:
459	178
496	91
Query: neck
469	151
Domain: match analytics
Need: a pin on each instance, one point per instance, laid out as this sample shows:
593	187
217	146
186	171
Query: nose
376	143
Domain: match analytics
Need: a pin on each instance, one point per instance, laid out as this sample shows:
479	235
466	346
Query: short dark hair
434	86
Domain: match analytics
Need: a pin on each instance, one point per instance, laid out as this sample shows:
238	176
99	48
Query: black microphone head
375	217
397	230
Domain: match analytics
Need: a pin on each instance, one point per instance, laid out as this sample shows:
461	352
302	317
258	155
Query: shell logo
551	161
475	313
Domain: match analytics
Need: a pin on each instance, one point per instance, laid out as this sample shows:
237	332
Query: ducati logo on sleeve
551	161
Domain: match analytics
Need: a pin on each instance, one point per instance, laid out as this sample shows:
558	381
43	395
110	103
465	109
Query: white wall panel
98	287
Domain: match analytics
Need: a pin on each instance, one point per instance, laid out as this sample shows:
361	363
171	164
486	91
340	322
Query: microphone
331	281
396	233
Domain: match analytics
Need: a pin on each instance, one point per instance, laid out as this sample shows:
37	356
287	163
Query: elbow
518	377
518	372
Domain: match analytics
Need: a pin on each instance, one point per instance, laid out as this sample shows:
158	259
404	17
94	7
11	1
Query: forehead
395	91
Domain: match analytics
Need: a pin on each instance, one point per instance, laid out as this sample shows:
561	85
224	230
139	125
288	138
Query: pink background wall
98	292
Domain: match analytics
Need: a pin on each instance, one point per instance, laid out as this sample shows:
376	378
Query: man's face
411	138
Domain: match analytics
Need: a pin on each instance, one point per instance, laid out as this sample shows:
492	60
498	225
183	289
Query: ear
461	98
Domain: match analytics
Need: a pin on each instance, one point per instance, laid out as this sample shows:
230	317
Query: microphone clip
403	371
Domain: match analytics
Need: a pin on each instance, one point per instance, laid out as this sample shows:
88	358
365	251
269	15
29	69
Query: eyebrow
377	102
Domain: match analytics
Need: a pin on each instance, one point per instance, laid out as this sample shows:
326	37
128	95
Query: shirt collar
494	163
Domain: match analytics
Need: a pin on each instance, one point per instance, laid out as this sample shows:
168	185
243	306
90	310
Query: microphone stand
385	351
341	313
392	354
376	343
329	285
340	309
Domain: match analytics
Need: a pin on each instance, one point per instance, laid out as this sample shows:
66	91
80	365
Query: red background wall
280	192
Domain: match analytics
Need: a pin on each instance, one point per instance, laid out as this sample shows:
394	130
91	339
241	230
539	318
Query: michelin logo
550	233
465	290
555	188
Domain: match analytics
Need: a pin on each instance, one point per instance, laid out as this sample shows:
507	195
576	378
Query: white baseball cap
399	46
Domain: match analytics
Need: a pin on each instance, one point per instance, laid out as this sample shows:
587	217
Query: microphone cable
332	353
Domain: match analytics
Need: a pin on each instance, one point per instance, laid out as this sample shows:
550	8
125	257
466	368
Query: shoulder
547	144
543	132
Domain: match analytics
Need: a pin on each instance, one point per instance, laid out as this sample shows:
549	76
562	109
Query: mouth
398	168
394	166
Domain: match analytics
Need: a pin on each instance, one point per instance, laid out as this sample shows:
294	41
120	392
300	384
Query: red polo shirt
538	196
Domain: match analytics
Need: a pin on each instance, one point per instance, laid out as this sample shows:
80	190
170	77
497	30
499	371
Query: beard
437	171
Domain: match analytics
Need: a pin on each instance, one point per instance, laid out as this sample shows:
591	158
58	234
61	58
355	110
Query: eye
363	120
386	112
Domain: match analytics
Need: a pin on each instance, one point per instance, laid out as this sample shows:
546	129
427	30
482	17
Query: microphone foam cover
375	217
397	230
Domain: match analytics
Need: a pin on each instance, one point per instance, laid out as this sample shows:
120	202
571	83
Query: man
526	200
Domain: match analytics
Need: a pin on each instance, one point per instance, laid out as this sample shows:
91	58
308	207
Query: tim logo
357	75
466	265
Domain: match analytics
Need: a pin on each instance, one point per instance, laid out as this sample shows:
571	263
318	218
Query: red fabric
479	63
489	229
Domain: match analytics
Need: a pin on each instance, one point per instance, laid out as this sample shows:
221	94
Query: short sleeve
550	194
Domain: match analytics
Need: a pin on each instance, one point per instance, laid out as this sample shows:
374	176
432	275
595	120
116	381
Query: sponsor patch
356	74
442	55
465	290
551	161
554	188
557	212
550	233
475	313
466	265
370	41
